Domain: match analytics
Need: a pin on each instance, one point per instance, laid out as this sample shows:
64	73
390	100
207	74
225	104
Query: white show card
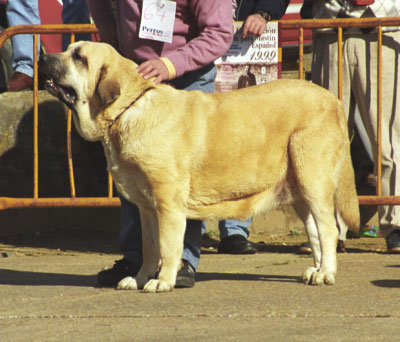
158	18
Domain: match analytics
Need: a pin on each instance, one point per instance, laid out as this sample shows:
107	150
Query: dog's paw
127	283
158	285
315	276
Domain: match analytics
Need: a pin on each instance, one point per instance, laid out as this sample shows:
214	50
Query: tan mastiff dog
171	153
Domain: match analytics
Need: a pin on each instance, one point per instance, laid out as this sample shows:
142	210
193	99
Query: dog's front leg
171	225
151	253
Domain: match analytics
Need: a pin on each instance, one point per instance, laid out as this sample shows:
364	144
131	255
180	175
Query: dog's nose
43	64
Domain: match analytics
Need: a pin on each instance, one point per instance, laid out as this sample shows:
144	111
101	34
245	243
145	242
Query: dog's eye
78	57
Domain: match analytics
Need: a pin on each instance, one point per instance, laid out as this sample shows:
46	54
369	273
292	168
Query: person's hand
153	68
255	25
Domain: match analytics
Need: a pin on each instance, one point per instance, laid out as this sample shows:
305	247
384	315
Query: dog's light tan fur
179	154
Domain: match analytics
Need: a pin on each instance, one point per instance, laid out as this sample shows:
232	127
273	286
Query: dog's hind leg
317	187
328	237
304	214
172	224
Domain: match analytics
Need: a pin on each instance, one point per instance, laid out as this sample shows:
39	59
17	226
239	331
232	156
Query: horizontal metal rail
46	29
336	23
110	201
13	203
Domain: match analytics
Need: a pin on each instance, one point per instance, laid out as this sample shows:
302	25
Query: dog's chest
112	156
127	176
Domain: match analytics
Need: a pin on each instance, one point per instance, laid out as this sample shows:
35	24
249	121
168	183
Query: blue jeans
75	12
23	12
234	227
130	238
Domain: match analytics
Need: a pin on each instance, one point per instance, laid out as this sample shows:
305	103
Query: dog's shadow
209	276
28	278
387	283
25	278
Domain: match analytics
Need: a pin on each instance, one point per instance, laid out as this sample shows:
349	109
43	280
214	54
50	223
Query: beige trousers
360	87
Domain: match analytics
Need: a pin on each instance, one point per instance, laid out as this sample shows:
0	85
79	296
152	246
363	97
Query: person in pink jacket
202	31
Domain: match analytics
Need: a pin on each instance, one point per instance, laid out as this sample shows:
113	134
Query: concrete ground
48	292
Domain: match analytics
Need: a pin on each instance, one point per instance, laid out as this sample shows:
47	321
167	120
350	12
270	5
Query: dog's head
90	78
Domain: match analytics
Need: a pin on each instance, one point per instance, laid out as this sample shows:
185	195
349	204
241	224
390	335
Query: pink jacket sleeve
210	40
214	20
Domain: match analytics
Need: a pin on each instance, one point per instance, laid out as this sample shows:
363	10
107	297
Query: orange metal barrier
339	24
35	201
73	201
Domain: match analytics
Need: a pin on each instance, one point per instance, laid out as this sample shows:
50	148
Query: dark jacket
275	8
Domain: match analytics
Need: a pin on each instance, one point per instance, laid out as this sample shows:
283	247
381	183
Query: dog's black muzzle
53	71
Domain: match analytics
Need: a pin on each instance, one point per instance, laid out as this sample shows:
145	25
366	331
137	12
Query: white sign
158	18
252	50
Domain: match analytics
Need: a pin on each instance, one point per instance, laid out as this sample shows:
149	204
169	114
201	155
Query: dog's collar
112	121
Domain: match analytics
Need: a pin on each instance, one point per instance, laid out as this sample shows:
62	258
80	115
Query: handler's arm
214	20
275	8
263	11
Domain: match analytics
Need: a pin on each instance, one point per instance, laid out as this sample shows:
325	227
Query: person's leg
75	12
202	79
234	227
234	235
192	243
130	244
22	12
324	72
365	90
130	236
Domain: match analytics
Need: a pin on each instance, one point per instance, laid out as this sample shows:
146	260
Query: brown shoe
305	248
20	81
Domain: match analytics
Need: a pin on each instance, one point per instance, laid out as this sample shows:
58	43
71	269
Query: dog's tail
346	201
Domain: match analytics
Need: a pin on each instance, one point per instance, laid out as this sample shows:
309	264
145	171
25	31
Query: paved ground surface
48	292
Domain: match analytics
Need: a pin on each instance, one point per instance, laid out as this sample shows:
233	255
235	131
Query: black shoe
236	244
186	276
393	242
121	269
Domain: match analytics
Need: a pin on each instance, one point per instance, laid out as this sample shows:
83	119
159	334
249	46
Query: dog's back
257	143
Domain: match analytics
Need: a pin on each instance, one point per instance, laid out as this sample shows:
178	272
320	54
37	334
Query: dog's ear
107	87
